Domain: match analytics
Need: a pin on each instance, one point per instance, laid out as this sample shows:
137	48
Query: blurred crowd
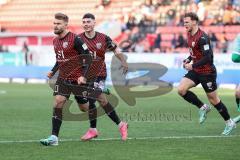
149	15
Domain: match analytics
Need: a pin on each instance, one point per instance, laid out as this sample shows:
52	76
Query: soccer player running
68	47
236	59
203	71
98	44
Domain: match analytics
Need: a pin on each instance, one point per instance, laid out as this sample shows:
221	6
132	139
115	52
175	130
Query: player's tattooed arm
111	46
123	61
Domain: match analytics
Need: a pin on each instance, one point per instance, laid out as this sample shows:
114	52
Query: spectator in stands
139	47
25	50
223	43
174	42
131	23
157	42
181	42
213	39
170	17
1	48
106	3
136	35
126	46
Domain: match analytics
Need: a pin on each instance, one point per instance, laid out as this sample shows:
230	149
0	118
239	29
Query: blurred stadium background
148	31
140	27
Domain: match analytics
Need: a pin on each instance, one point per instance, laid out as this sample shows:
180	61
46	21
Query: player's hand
188	66
185	61
124	66
50	74
82	80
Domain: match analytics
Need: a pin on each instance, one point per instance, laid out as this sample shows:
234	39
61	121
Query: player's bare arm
120	56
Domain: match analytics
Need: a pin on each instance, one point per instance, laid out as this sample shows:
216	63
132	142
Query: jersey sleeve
55	68
206	50
80	46
111	46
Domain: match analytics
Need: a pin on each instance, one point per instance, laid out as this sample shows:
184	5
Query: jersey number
94	55
60	54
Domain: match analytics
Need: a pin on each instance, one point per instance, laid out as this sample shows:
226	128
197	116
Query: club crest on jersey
99	45
65	44
193	44
209	84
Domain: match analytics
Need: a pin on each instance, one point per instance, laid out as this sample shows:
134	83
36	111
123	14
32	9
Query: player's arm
80	46
51	73
111	46
205	47
187	60
86	58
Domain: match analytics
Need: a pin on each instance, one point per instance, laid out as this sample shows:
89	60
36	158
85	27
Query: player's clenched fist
81	80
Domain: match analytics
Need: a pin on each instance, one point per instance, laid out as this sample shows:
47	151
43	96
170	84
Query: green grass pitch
161	128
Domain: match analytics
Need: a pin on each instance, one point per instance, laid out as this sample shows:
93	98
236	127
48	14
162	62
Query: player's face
88	24
188	24
59	26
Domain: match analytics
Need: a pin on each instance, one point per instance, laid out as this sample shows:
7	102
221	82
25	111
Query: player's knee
103	102
237	93
83	108
181	91
213	100
59	102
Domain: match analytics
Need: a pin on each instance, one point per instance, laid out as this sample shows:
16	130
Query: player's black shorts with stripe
62	87
208	81
66	87
100	82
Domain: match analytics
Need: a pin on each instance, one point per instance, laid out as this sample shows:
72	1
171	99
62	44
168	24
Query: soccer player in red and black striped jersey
68	48
201	71
98	44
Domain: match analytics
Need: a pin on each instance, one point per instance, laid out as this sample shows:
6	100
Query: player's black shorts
66	87
99	82
208	81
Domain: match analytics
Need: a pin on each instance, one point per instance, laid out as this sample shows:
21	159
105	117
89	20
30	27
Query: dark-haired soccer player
68	47
203	71
98	44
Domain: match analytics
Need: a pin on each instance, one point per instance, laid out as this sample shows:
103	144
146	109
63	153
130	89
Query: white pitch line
130	138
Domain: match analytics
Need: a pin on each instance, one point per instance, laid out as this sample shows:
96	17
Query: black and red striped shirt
201	52
68	50
97	46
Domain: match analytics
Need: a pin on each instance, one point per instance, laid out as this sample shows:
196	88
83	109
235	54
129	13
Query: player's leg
109	110
237	95
89	105
210	86
83	103
222	109
61	93
188	81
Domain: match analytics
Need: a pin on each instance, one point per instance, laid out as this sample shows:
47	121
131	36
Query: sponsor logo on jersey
206	47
